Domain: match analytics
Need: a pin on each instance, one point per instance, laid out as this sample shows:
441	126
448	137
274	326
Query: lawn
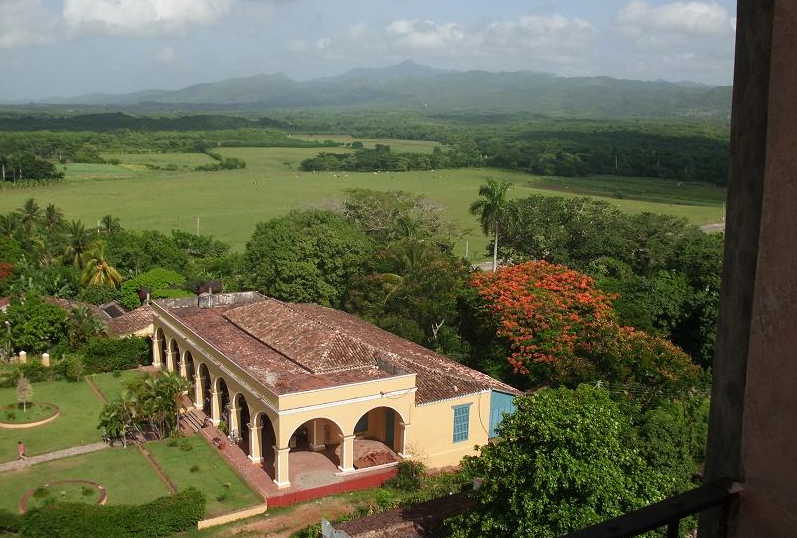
225	492
124	472
76	426
111	385
178	160
229	203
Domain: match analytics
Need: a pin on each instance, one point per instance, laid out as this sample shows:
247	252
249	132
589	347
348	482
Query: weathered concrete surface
754	409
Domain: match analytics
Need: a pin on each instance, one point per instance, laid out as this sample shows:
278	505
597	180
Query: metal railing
666	514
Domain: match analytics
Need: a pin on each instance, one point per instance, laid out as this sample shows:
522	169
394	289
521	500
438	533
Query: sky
71	47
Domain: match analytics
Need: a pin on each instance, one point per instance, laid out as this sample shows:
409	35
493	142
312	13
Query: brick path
50	456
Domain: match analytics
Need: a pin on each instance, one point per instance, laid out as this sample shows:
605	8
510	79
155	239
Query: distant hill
410	85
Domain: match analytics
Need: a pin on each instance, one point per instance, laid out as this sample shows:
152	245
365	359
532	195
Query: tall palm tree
78	242
30	214
53	218
489	209
98	272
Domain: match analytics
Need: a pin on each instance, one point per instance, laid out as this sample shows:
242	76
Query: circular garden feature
15	416
63	491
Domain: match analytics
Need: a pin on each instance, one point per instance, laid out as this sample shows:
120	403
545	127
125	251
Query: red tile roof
295	347
130	322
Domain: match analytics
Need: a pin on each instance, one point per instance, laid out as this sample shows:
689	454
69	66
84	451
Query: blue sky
71	47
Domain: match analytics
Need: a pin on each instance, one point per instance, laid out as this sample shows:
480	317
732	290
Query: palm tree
78	242
98	272
10	225
110	224
489	210
30	214
81	326
53	218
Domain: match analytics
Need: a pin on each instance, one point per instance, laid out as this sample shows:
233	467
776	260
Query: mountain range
414	86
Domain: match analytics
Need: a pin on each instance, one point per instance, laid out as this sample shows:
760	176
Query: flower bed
63	491
34	414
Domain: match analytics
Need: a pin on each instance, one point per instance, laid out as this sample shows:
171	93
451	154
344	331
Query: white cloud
696	19
141	17
529	42
25	22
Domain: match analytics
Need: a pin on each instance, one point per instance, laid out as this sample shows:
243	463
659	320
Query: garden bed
70	491
16	416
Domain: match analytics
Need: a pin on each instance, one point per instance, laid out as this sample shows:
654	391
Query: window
461	422
362	424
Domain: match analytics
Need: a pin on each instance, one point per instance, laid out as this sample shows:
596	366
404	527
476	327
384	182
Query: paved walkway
50	456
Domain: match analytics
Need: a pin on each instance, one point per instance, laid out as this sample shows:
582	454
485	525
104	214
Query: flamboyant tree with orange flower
560	329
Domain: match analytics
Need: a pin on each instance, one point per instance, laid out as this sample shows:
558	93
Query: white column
199	393
170	360
157	360
403	447
183	368
255	441
281	462
215	407
347	454
235	420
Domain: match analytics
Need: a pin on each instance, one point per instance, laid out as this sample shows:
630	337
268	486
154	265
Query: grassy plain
230	203
412	146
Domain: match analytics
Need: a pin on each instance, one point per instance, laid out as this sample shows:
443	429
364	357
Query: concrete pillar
316	436
215	406
281	463
46	359
255	442
23	357
235	420
157	360
347	454
199	393
183	368
170	360
403	440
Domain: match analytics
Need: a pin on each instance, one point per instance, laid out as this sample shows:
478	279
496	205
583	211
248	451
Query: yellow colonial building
288	377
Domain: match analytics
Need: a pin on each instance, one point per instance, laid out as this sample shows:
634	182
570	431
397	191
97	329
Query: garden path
50	456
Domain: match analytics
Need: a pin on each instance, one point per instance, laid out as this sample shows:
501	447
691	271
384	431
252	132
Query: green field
180	160
224	490
229	203
111	386
77	424
124	472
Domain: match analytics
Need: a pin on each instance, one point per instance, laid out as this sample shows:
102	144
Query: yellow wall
432	431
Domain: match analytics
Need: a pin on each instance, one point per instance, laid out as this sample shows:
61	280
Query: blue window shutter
500	404
461	422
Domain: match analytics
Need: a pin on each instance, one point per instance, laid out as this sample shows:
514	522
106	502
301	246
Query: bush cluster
108	355
161	517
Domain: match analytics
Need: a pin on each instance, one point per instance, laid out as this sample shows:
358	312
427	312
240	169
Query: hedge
161	517
9	522
156	280
111	354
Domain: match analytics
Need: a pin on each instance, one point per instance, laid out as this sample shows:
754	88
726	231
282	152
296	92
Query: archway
173	357
190	375
382	424
205	390
319	435
159	348
268	440
223	394
241	410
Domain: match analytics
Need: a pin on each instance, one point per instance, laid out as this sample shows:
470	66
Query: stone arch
320	434
383	423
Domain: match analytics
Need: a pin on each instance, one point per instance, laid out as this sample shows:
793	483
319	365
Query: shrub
9	522
409	476
86	491
194	469
161	517
41	492
109	354
156	280
98	294
71	367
